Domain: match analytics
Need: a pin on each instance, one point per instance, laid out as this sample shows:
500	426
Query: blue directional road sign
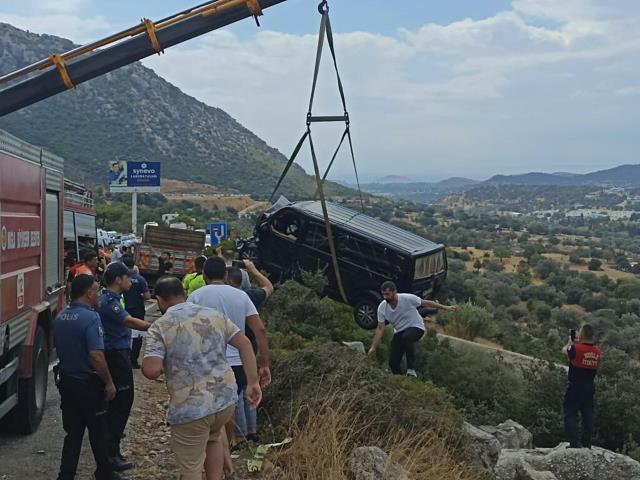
218	231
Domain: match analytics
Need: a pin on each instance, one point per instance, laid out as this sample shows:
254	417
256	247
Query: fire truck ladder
60	72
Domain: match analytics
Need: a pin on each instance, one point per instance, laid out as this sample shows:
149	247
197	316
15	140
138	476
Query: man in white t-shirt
118	254
401	311
236	305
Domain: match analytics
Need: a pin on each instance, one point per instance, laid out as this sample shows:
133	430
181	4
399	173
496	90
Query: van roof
378	230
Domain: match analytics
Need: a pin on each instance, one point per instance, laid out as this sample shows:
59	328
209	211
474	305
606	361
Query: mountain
133	114
533	178
420	191
621	176
394	179
457	182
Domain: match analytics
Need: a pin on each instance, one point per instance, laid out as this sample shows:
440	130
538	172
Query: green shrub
469	320
594	264
298	309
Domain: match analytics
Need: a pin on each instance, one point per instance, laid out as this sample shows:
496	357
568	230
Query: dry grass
510	264
326	436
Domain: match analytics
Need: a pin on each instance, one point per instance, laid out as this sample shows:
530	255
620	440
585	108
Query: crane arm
60	72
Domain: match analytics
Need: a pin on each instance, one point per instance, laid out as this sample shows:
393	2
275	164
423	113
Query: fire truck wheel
32	392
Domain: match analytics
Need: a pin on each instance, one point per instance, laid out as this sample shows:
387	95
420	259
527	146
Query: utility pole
134	213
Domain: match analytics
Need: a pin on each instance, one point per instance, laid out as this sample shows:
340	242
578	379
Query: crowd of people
211	346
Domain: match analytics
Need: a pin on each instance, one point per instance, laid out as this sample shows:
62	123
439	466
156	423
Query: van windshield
429	265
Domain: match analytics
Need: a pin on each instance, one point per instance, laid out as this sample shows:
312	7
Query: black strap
327	222
289	163
335	154
355	168
335	62
325	31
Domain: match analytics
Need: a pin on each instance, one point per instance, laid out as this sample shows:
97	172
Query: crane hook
323	7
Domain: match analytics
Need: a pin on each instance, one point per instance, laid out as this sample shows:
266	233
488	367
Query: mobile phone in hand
572	334
238	264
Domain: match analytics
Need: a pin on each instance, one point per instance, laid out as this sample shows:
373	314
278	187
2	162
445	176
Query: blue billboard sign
218	231
125	176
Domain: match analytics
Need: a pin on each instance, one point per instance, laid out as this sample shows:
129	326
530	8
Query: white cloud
60	6
545	85
67	25
525	88
628	90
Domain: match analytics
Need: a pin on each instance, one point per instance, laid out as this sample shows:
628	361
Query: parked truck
183	246
31	276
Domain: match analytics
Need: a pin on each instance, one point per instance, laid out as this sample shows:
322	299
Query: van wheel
366	314
32	392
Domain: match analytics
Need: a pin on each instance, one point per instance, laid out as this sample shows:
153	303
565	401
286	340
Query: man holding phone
584	360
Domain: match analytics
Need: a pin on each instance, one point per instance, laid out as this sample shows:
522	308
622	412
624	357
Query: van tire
32	392
365	313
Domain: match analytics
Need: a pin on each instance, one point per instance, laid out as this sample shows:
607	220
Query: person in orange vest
88	265
584	359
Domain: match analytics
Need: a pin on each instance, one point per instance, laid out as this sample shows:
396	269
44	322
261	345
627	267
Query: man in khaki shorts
188	344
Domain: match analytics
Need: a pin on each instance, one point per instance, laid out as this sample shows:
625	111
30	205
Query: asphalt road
37	456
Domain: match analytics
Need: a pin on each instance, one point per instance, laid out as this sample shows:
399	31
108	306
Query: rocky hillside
133	114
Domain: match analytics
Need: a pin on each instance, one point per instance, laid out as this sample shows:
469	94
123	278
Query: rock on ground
357	346
510	434
372	463
566	464
484	449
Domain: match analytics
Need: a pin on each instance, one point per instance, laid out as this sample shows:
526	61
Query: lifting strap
325	32
58	61
150	27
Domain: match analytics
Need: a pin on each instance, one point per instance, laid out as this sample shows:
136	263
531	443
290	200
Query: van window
429	265
317	237
363	252
286	225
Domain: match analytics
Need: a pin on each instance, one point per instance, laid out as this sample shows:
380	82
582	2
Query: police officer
117	323
584	360
85	382
134	300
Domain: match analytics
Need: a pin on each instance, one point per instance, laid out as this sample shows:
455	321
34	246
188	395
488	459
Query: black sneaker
108	476
238	446
119	464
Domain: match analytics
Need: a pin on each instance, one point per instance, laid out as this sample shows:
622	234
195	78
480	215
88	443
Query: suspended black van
291	238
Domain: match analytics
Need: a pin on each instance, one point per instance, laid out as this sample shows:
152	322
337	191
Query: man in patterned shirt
188	344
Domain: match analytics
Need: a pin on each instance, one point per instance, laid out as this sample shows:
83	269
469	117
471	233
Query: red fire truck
33	234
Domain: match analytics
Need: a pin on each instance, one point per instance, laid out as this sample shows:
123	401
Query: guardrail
82	200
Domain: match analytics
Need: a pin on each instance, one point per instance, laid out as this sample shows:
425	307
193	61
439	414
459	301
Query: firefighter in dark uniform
84	380
584	360
117	323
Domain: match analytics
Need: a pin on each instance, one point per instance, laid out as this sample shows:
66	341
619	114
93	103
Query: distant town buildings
600	213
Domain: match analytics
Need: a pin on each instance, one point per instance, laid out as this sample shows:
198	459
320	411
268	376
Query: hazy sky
435	89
